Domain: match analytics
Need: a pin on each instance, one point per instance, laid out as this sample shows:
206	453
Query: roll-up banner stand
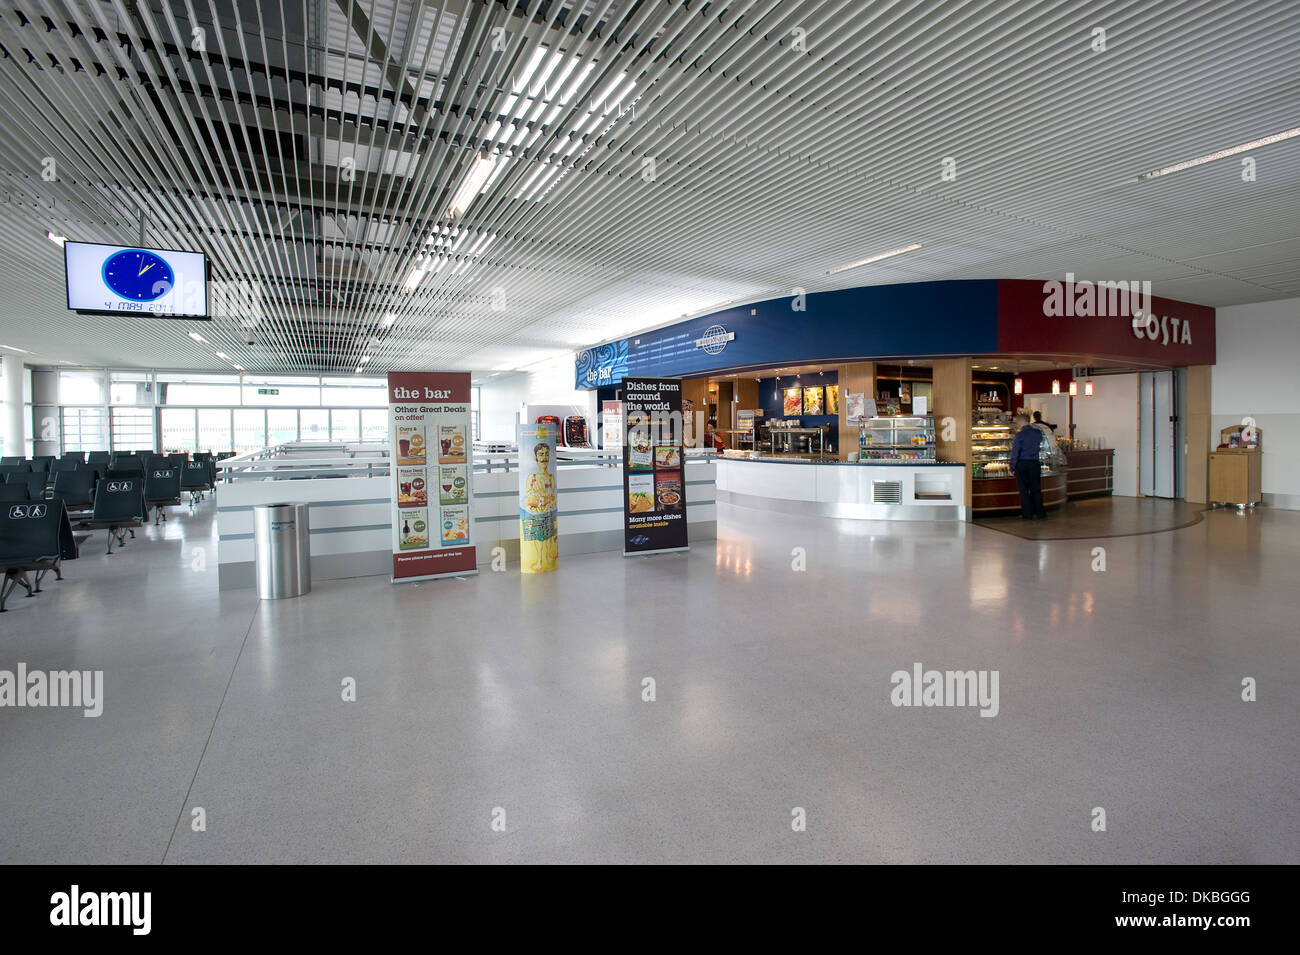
654	467
538	531
431	480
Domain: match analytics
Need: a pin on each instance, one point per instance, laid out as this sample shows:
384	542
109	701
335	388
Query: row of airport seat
41	498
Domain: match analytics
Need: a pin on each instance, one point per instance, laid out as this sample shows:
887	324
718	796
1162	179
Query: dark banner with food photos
431	474
654	469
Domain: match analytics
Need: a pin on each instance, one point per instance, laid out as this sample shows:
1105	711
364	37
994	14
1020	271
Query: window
198	390
374	425
345	425
367	392
214	430
280	391
314	424
282	425
178	432
132	429
130	388
250	430
85	429
81	388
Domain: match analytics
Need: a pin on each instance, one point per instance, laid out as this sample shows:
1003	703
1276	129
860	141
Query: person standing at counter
711	437
1024	463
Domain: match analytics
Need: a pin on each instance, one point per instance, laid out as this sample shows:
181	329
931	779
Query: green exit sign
268	391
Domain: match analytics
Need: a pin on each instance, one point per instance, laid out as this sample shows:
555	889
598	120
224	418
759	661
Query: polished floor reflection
1100	517
526	699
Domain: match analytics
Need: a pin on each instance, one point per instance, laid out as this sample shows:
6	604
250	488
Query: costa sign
1102	320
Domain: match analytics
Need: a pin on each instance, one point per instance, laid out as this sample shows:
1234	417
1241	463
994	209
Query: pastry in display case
992	432
896	438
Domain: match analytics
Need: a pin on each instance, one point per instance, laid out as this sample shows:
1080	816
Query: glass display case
990	446
897	438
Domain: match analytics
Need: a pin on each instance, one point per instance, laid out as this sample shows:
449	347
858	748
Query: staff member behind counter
1024	462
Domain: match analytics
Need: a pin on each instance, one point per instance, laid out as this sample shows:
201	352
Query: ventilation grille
886	492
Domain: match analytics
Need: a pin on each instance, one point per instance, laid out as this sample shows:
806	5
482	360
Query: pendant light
1087	388
1056	386
1074	389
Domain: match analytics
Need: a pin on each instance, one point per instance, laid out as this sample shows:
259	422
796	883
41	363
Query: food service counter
1001	494
906	491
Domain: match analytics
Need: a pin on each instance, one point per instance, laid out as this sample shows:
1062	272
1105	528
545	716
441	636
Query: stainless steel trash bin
283	549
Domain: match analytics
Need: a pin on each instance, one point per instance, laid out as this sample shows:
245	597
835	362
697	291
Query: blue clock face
137	275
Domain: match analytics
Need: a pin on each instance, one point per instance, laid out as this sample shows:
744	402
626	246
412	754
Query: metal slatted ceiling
312	150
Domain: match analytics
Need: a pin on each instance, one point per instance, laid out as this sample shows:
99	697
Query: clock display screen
124	279
138	275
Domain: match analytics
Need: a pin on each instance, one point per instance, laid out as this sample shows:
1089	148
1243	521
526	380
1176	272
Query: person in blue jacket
1025	466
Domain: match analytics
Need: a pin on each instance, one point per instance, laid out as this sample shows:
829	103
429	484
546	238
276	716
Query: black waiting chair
36	484
12	492
197	477
162	489
76	489
34	539
119	509
4	462
96	457
8	469
42	462
65	464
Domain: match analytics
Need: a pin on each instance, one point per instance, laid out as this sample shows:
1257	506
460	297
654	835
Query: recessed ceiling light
56	239
475	180
875	258
1221	154
223	356
238	367
364	359
197	337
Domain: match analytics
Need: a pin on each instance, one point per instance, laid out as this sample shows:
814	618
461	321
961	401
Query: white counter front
351	533
882	492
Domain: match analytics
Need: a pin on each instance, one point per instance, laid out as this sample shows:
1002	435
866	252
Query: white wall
548	383
499	399
1111	414
1258	348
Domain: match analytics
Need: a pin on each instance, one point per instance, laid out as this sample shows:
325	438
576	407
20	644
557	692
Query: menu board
431	474
654	472
793	402
538	531
832	399
812	400
611	415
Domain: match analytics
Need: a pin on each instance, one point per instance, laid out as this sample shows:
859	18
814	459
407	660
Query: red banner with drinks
432	474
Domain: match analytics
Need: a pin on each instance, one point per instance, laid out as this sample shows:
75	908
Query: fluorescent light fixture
414	279
1221	154
388	320
358	371
1087	388
237	367
1056	386
364	359
22	351
197	337
875	258
474	182
223	356
56	239
1074	389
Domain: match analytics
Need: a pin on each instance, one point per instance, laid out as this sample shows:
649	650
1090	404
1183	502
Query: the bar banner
538	530
654	468
431	478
